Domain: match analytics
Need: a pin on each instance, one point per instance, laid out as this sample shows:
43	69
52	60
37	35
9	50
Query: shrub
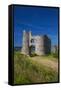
33	54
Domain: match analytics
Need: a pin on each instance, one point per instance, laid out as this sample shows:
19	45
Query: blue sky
39	20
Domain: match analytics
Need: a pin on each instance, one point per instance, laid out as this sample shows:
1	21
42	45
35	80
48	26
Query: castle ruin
40	45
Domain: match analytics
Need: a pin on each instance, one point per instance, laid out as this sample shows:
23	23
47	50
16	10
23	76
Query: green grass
27	71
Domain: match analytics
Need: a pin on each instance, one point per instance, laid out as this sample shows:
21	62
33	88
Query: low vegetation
27	71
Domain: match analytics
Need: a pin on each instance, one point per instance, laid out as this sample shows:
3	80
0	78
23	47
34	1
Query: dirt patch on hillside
48	62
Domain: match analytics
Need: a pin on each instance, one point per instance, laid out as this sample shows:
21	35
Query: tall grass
27	71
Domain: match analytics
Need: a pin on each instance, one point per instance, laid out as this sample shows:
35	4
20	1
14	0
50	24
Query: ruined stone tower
40	45
25	43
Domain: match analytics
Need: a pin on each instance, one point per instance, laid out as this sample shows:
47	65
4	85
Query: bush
55	55
33	54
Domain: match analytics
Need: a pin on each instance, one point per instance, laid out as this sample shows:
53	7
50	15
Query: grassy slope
27	71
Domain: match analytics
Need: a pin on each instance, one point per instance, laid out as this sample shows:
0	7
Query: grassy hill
27	71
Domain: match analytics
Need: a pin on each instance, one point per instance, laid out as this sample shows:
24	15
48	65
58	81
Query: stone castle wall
25	44
39	45
42	44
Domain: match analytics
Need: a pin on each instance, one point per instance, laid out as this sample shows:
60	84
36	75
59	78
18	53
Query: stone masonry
39	45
